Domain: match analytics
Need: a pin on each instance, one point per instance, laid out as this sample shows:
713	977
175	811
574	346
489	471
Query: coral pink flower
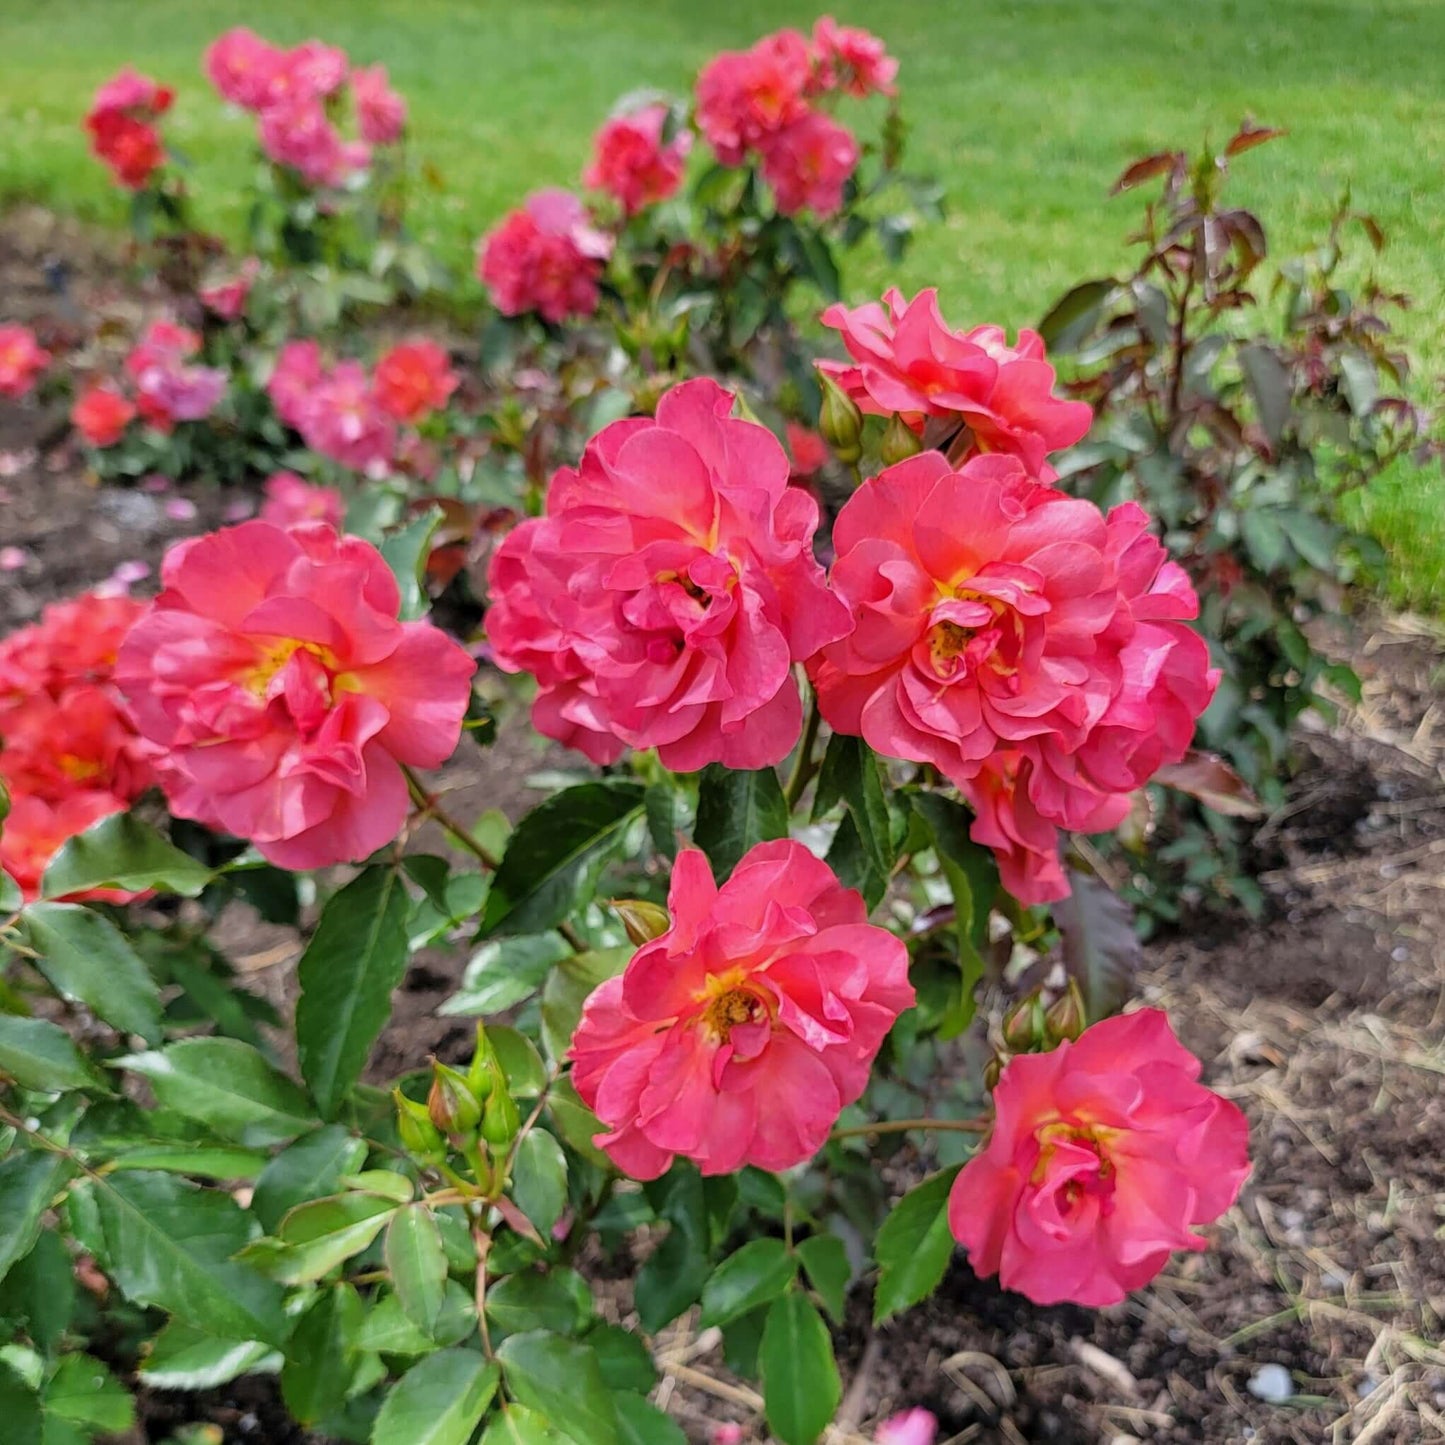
283	694
130	147
241	65
37	828
630	162
546	257
312	69
740	1034
413	380
101	415
290	501
296	133
297	373
74	738
1105	1155
227	299
809	451
808	163
909	361
908	1427
75	641
342	419
667	593
133	93
22	359
745	97
851	60
380	111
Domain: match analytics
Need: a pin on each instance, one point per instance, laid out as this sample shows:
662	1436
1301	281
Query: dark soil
1325	1023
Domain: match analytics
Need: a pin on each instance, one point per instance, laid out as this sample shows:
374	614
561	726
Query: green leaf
1264	538
388	1331
227	1086
29	1183
556	854
406	551
539	1180
122	852
625	1362
310	1169
829	1272
211	1163
386	1182
575	1122
38	1054
83	1391
316	1237
417	1264
89	962
639	1422
40	1289
439	1401
560	1302
182	1357
322	1356
20	1410
504	972
667	817
672	1276
517	1425
757	1273
850	774
736	810
801	1388
170	1244
356	957
913	1246
561	1379
569	985
10	895
1269	383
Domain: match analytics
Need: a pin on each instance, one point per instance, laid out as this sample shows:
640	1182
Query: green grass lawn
1026	109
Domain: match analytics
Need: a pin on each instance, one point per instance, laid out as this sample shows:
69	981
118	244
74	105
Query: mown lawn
1026	110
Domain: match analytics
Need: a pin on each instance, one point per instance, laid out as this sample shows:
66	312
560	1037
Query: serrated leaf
226	1085
913	1246
83	1391
120	851
417	1265
504	972
406	551
517	1425
40	1289
1098	943
1264	538
539	1180
801	1388
625	1362
388	1331
355	959
672	1276
182	1357
850	774
736	810
38	1054
826	1261
561	1379
311	1168
556	854
89	961
29	1183
754	1275
439	1401
316	1237
575	1122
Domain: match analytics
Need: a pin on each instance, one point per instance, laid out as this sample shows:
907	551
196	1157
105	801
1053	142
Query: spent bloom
545	257
745	97
101	414
740	1034
414	379
852	60
283	695
291	501
1106	1154
22	359
380	111
630	161
907	360
669	589
808	163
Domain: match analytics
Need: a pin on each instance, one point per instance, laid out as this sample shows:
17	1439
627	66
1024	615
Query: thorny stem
430	806
904	1126
804	769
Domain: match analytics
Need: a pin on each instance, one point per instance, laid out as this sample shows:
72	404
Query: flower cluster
739	1035
631	161
546	257
760	101
665	596
22	359
122	125
69	755
1106	1155
296	94
283	697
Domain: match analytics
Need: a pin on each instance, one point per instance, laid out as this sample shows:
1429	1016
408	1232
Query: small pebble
1272	1384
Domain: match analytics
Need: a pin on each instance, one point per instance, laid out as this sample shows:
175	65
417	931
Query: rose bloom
22	359
413	380
312	69
131	148
851	60
1105	1155
290	501
240	64
665	596
283	694
75	641
908	1427
808	163
227	299
630	162
740	1034
76	738
908	361
36	830
380	111
131	92
546	257
744	97
101	415
167	389
808	450
297	373
341	418
296	133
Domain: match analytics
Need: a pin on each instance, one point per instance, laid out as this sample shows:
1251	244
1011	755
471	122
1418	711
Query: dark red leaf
1145	170
1248	136
1213	782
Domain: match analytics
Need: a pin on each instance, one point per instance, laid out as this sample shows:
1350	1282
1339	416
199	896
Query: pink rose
134	94
808	163
630	162
1025	844
745	97
22	359
227	299
342	419
310	71
283	695
908	361
667	593
740	1034
851	60
1105	1154
413	380
296	133
290	502
380	111
241	65
908	1427
546	257
297	373
168	389
101	415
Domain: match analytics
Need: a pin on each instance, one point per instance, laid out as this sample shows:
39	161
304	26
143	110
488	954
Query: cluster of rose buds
122	125
297	96
69	754
350	416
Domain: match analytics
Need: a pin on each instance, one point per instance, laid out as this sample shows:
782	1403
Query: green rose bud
840	421
451	1105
